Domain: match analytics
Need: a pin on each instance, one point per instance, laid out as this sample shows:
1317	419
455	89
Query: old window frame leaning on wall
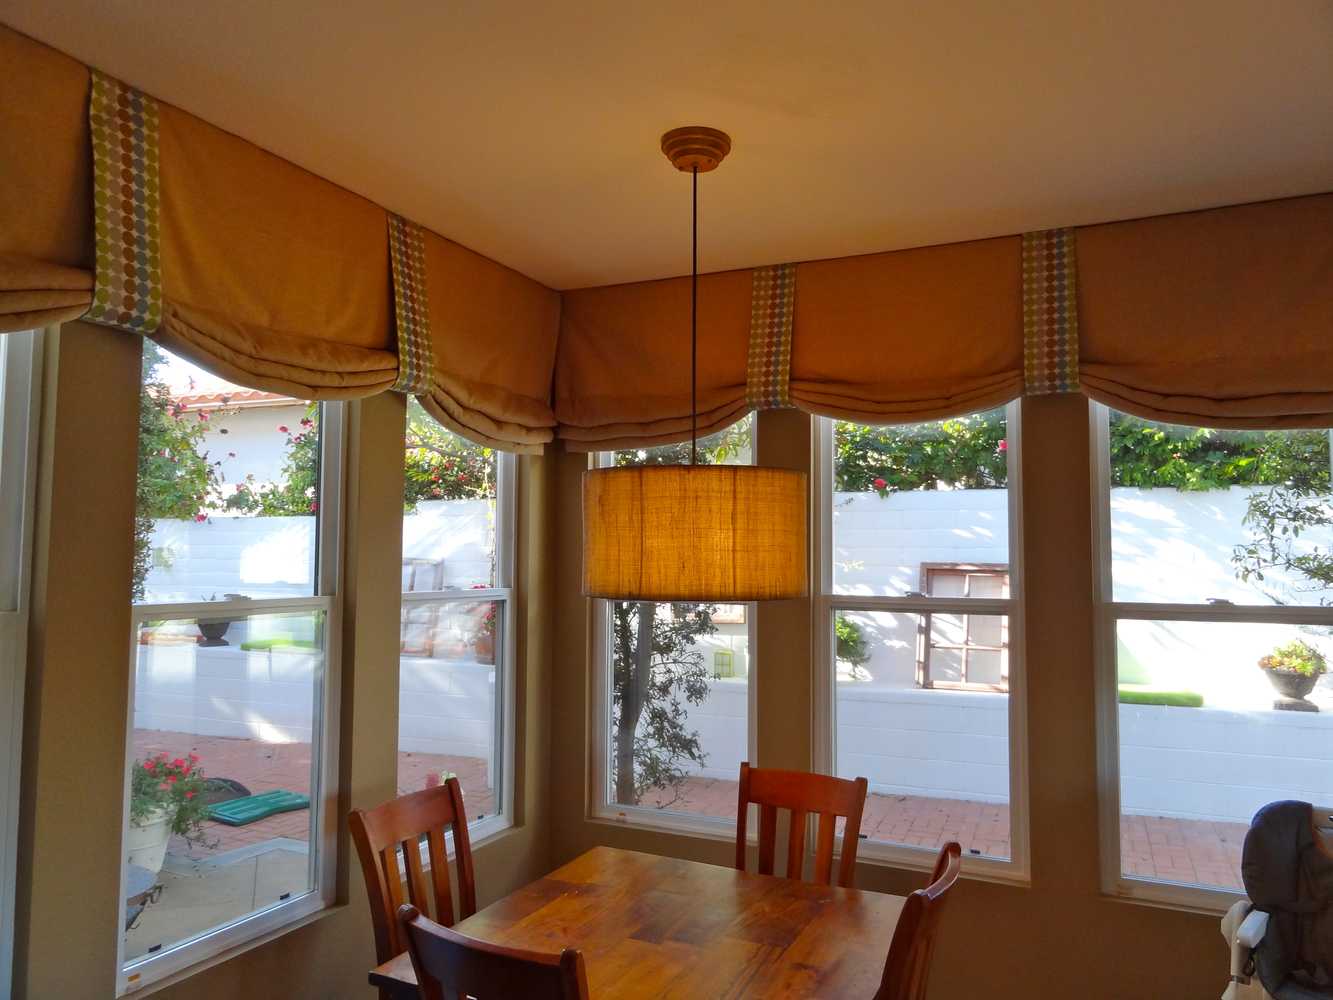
20	377
325	601
601	806
1110	612
828	605
501	594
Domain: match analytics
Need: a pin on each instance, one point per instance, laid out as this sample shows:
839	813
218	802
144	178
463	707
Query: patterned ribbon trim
768	370
127	289
416	357
1050	313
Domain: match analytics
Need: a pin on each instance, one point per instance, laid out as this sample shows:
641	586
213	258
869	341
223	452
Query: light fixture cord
694	319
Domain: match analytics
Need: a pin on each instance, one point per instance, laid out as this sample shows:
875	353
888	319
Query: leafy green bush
851	644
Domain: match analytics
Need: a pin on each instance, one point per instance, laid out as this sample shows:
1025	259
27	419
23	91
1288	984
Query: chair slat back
452	965
908	967
398	826
802	794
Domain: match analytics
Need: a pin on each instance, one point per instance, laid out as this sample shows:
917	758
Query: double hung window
1215	637
231	770
456	668
672	688
918	616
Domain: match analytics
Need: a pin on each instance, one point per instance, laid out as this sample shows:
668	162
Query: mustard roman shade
1221	318
46	231
135	214
622	375
493	341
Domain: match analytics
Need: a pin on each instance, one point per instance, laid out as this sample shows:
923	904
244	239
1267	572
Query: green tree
296	493
176	478
656	668
964	453
442	465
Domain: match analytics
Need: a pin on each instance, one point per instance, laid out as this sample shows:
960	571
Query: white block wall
273	556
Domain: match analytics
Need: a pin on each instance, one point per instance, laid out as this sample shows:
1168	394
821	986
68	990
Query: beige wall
78	686
1057	937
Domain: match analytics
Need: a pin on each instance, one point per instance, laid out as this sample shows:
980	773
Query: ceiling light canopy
717	533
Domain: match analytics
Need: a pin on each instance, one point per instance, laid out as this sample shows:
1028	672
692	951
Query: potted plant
166	797
1294	669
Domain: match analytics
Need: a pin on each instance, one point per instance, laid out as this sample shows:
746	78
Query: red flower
203	417
178	762
164	787
148	765
314	505
1003	446
194	757
171	779
880	484
200	518
189	795
282	428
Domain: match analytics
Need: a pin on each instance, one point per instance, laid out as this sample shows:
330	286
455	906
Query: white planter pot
146	841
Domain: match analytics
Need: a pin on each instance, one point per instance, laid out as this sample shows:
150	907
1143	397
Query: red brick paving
262	767
1175	850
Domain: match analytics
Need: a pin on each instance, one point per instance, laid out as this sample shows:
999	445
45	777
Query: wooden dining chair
452	965
402	823
801	793
913	945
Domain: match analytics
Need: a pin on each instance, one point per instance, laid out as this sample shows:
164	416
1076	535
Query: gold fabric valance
622	376
1221	318
247	264
46	231
493	335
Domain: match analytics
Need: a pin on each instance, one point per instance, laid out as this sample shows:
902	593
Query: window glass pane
679	679
450	507
228	488
450	719
222	710
1207	736
914	506
937	760
1200	515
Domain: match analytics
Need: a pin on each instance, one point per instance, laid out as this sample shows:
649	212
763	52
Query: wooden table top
663	927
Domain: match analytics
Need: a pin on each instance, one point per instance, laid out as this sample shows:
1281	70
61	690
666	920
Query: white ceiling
528	130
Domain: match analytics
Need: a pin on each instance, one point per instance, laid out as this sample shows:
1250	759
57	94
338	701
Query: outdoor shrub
173	784
1296	657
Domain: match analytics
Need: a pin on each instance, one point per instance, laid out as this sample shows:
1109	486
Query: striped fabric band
768	370
127	284
1050	313
416	358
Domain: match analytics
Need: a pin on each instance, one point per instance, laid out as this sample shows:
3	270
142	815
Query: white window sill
663	821
1173	896
157	972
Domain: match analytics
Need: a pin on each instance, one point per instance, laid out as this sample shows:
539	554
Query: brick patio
1171	849
262	767
1175	850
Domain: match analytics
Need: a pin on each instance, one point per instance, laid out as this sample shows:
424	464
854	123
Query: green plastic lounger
238	812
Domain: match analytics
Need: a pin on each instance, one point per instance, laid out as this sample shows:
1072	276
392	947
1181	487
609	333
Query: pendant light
722	533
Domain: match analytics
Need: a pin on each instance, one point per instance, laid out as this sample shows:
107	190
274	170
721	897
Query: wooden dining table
650	926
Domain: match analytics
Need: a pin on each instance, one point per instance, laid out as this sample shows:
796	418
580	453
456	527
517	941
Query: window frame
1108	612
20	403
503	734
192	955
600	808
967	571
827	604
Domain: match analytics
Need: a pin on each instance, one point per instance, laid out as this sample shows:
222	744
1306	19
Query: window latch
1221	600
